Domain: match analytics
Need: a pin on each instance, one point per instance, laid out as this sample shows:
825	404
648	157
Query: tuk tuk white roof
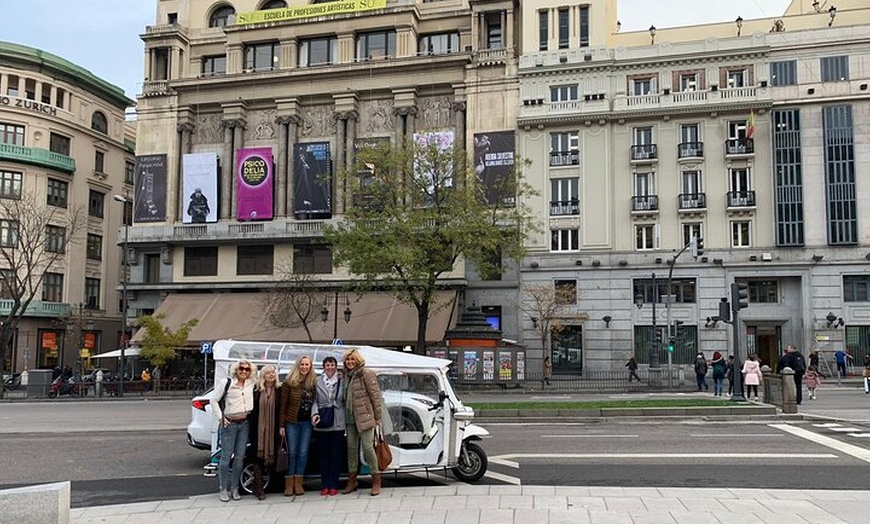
285	354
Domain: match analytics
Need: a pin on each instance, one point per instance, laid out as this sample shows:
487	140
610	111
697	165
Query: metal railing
564	207
565	158
693	201
644	152
740	146
741	198
690	150
645	203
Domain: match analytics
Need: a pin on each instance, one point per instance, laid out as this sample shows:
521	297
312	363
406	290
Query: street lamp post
638	301
124	305
324	315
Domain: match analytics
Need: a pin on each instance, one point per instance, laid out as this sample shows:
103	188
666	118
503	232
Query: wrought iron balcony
690	150
37	157
39	308
564	207
741	198
739	146
692	201
644	152
645	203
565	158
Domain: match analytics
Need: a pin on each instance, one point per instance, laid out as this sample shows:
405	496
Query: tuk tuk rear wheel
472	469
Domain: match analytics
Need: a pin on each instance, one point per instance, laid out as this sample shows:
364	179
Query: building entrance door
767	344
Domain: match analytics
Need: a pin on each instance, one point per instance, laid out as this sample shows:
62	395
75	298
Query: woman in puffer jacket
363	407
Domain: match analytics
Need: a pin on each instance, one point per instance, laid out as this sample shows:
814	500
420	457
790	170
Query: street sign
337	342
205	348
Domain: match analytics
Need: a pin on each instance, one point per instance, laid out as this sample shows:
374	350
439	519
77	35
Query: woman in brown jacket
265	437
297	396
363	406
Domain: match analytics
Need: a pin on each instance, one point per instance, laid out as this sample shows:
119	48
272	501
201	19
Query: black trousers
798	382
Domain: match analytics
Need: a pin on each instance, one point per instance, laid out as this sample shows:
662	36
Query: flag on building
750	125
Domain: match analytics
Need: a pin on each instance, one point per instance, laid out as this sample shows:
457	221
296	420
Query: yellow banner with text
307	11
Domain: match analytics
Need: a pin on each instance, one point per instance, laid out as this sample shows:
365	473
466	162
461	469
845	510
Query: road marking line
502	462
525	424
845	430
514	456
589	436
737	435
860	435
849	449
827	425
504	478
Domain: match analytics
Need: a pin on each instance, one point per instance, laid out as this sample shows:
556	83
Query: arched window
222	16
274	4
99	123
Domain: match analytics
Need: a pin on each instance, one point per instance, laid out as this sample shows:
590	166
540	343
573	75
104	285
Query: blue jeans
298	441
702	381
330	449
234	441
718	386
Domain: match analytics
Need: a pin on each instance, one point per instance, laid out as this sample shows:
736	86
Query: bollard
789	391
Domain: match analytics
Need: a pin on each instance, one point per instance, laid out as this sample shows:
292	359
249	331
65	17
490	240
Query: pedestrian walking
729	374
327	415
297	397
813	381
701	371
547	370
363	405
794	360
265	434
232	403
145	377
815	354
843	359
719	371
632	368
867	379
752	376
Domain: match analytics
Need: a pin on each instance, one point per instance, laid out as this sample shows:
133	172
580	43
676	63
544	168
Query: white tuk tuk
426	425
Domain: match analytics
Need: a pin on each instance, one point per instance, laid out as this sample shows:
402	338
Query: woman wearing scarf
330	436
265	437
297	396
363	406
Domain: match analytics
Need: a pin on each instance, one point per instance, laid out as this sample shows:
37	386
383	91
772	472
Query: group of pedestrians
278	419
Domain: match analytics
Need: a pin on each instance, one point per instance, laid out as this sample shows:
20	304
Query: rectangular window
152	268
643	136
684	290
494	30
52	287
543	30
318	51
685	344
375	45
736	78
255	260
643	86
96	203
564	196
95	247
12	85
99	162
692	229
689	82
312	259
10	184
129	172
567	350
439	44
55	239
741	233
9	234
584	26
840	175
200	261
563	28
835	68
11	134
858	342
57	193
59	144
763	291
737	129
566	93
564	149
740	181
261	57
8	284
565	240
30	89
60	96
783	73
214	65
645	237
92	293
856	288
788	177
566	292
644	184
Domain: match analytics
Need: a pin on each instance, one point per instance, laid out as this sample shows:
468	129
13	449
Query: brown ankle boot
351	484
297	486
288	486
376	484
257	486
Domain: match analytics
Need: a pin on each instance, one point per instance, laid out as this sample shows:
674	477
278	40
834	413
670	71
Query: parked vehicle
12	381
60	387
202	423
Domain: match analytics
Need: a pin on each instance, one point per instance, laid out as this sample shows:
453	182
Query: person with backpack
701	371
794	360
719	371
232	404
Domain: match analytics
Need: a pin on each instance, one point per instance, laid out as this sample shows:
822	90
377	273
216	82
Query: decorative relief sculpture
377	116
317	121
435	112
263	128
207	129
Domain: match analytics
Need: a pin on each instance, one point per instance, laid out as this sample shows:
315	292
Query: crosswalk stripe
860	435
845	430
827	425
843	447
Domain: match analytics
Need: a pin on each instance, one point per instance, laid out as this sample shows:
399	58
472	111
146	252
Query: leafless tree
34	239
543	304
294	302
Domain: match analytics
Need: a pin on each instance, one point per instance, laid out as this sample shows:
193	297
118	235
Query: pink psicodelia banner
254	184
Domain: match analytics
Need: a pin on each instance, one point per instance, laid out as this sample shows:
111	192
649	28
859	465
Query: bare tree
543	305
34	239
294	302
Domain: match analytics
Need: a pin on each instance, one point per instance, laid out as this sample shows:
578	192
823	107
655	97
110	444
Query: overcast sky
103	35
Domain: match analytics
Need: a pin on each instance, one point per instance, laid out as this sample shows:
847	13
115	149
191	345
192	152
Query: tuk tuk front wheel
472	464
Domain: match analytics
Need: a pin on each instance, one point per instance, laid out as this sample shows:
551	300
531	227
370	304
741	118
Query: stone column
292	136
227	168
281	175
185	132
174	63
352	118
459	109
238	143
147	65
411	123
340	155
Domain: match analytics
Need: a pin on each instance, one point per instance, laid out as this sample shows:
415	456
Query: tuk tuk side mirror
442	395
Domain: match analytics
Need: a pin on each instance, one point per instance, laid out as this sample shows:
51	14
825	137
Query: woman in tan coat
363	406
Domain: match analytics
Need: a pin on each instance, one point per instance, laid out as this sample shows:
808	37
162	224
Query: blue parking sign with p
205	348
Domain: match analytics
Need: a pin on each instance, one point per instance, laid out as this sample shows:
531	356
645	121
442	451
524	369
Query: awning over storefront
116	353
377	319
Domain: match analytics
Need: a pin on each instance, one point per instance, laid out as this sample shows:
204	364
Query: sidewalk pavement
471	504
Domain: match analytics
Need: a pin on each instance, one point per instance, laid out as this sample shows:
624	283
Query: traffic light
657	336
739	296
672	343
696	246
724	310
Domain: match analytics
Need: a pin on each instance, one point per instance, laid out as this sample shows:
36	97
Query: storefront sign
308	11
24	103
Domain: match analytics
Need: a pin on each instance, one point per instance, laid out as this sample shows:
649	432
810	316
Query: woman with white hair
232	403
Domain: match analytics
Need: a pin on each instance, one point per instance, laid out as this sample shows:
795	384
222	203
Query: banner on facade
254	180
150	197
494	166
427	173
312	173
307	11
199	187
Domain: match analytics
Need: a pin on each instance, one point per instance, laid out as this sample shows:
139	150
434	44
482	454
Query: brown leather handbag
382	450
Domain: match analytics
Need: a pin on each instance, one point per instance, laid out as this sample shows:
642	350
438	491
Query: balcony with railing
276	230
38	308
644	203
38	157
564	158
690	150
739	147
644	153
689	202
155	88
564	207
740	199
699	99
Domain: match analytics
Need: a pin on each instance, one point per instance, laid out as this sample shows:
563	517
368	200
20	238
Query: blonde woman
265	435
232	403
297	397
363	406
